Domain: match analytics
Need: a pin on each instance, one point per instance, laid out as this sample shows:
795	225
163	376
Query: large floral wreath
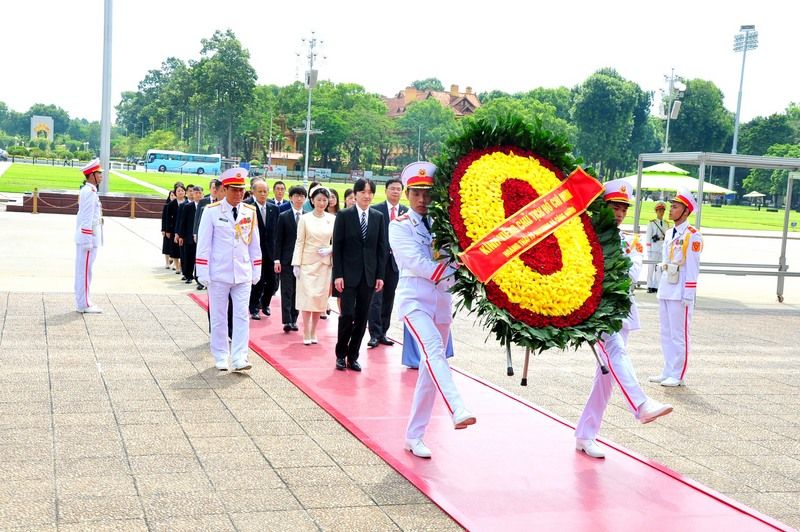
568	289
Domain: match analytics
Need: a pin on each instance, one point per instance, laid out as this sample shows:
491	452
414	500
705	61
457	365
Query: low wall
67	203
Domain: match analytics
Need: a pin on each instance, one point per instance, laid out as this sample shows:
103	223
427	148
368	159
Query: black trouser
353	319
289	310
188	254
262	292
380	311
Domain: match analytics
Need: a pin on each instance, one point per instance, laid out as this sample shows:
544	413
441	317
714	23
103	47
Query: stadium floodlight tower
746	39
672	105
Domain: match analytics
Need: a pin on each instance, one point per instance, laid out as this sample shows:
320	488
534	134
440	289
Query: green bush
38	152
255	163
84	155
18	151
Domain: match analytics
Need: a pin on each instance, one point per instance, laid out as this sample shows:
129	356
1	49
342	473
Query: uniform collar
94	188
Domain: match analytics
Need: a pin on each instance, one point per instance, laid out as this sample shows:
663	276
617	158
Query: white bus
186	163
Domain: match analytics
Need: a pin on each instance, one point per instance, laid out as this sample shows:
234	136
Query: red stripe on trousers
608	359
86	280
685	340
427	363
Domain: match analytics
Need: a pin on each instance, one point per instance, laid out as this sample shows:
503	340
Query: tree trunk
230	134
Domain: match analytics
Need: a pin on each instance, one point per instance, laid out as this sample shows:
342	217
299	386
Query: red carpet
516	469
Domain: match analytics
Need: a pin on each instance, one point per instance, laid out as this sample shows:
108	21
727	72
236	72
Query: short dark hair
320	190
276	183
392	181
215	183
297	189
362	183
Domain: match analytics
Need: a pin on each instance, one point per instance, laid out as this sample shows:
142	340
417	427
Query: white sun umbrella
665	176
754	194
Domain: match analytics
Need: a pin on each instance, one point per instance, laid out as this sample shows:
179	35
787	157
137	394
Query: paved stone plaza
118	422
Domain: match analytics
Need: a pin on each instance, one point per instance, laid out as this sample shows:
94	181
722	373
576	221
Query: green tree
773	182
225	81
756	136
429	84
423	129
703	124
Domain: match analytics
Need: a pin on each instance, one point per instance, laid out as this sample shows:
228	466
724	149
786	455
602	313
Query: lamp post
105	116
675	90
746	39
311	81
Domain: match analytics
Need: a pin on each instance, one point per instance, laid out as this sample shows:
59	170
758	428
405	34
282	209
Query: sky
53	49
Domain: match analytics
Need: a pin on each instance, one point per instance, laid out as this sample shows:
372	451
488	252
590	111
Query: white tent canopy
754	194
664	176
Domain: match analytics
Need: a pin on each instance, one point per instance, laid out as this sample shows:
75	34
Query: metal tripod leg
603	367
509	364
525	367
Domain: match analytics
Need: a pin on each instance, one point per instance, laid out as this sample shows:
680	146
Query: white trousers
653	271
84	261
434	372
218	308
675	322
612	350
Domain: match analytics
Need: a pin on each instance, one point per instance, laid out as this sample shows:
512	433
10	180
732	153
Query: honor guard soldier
228	262
677	287
423	304
654	241
88	236
613	347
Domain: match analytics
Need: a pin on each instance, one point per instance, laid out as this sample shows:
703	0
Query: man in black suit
216	193
285	238
380	312
279	200
189	211
359	261
261	293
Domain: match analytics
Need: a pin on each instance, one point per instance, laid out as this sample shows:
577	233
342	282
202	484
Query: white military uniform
88	237
228	262
613	351
676	295
424	305
654	242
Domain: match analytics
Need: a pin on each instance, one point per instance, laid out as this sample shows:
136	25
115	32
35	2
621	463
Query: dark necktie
426	223
235	213
364	225
297	217
674	231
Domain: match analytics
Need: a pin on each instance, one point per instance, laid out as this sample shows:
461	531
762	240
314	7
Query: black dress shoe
354	365
373	342
287	327
189	281
201	287
255	316
340	364
295	327
266	312
323	316
385	341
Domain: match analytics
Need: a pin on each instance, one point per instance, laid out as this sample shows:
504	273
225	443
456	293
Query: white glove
296	271
324	252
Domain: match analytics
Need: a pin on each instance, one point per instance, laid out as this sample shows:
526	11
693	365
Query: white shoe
222	366
314	340
418	448
242	366
91	310
651	410
463	418
671	382
306	342
656	378
589	447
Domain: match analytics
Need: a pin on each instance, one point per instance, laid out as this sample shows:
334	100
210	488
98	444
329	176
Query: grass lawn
727	217
22	177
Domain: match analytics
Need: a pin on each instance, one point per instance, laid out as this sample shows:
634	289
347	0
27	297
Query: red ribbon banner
530	225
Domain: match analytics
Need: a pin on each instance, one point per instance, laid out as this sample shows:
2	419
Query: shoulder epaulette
249	206
691	229
401	218
653	220
213	204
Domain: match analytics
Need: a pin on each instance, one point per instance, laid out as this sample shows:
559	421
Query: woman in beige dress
312	262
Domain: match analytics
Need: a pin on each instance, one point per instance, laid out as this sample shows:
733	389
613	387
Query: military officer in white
88	236
613	347
676	289
229	262
423	304
654	242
